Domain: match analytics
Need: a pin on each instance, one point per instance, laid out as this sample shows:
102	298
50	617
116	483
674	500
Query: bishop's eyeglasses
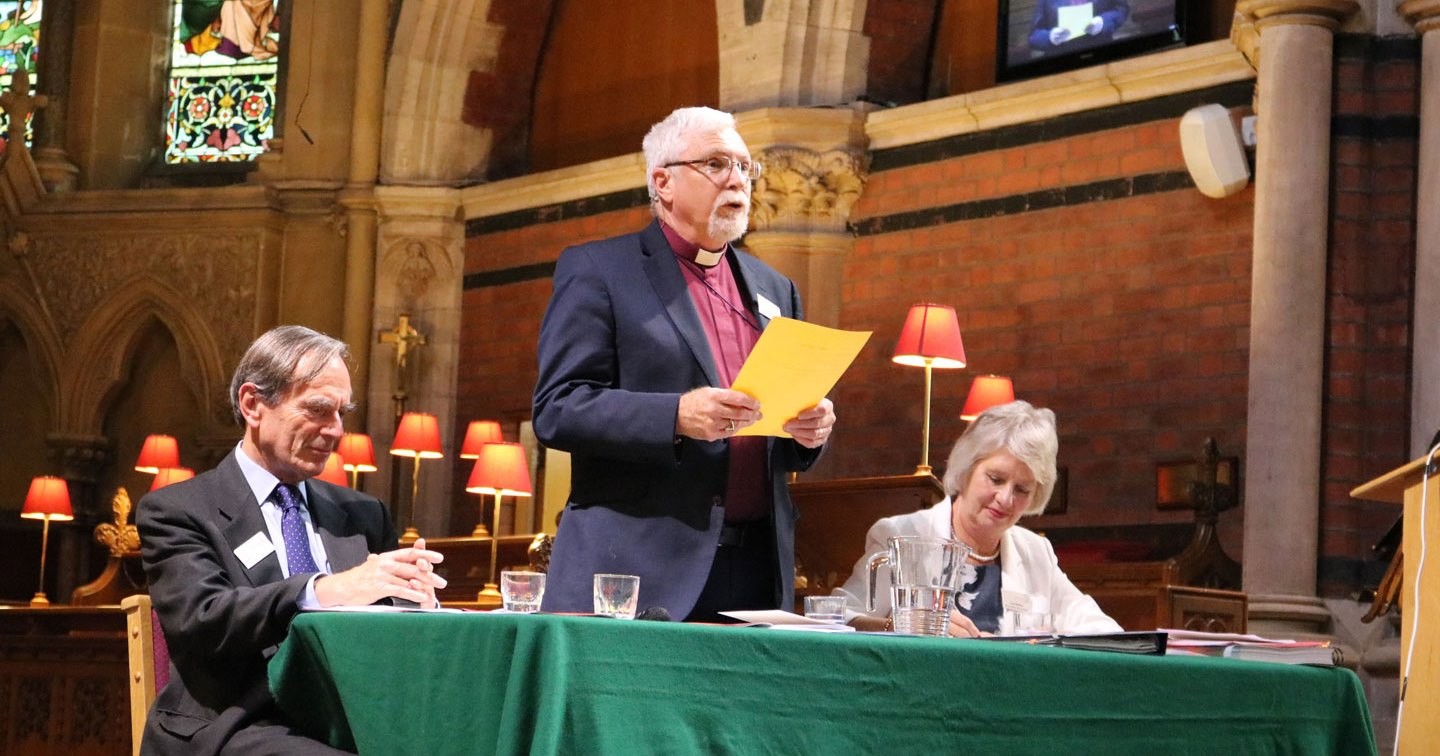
719	165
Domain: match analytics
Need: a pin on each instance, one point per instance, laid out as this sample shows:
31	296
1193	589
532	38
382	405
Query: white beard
731	227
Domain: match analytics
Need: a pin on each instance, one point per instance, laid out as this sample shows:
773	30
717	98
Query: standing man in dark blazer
233	554
643	336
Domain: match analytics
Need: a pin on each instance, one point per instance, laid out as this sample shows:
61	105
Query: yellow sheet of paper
792	367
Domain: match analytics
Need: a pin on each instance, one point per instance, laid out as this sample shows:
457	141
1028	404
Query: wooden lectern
1420	723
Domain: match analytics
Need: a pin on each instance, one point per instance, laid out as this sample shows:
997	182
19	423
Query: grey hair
1025	431
667	139
273	359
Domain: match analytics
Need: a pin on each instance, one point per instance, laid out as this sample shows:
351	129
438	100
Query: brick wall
1083	264
509	261
1372	240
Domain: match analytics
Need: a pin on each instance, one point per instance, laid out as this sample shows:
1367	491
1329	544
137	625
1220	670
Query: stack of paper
1253	647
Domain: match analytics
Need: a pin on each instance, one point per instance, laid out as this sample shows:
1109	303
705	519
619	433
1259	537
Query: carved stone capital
1324	13
305	197
803	189
1424	15
81	457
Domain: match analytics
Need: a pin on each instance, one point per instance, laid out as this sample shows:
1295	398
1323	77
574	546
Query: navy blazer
621	341
222	620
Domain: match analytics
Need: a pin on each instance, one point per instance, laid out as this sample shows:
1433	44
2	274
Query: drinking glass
521	591
826	608
616	595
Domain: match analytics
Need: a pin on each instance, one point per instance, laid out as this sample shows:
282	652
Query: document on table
1075	18
792	367
779	619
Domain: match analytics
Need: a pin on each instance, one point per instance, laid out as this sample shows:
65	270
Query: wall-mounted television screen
1045	36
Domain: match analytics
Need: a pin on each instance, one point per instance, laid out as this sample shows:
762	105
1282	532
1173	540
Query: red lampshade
500	469
931	334
479	433
168	475
986	392
357	452
49	499
160	451
333	472
418	436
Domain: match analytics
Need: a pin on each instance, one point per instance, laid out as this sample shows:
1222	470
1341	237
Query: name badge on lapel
253	550
769	310
1015	601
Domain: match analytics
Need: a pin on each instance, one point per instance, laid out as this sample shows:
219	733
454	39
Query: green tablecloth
479	683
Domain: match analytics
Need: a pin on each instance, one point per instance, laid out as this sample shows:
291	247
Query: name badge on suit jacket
254	549
769	310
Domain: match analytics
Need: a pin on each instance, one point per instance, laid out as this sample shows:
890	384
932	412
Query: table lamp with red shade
419	437
357	455
159	452
48	499
500	469
334	471
930	339
477	435
169	475
987	391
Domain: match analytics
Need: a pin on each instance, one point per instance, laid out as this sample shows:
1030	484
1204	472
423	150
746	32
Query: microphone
656	613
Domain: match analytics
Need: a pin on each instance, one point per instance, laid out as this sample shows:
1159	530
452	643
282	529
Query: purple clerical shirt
732	330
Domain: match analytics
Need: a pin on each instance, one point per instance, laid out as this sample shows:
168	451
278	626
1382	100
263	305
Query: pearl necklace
977	556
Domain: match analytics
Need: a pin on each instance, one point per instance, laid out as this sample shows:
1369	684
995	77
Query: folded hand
406	573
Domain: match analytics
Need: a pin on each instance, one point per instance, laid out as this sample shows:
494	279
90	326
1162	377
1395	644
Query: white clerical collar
708	259
688	250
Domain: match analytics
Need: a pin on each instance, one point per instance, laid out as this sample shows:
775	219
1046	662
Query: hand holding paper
1075	19
790	370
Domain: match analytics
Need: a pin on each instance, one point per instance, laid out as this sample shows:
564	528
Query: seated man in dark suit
235	553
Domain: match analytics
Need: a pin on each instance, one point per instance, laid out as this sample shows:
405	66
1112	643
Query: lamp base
924	470
489	595
480	531
410	534
40	600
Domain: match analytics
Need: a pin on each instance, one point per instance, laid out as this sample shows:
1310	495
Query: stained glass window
224	62
19	45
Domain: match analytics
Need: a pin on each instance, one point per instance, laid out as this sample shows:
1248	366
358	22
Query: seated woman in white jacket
1001	469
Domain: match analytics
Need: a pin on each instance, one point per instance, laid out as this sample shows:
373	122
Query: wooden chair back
149	661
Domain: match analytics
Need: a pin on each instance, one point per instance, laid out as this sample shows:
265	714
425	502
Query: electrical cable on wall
1409	651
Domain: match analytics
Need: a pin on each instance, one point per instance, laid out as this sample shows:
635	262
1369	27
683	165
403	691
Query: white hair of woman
1025	431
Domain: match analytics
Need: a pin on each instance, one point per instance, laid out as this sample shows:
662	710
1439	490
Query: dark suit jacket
620	342
222	622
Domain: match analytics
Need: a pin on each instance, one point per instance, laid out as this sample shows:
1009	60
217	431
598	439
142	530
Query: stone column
56	170
81	458
791	52
815	165
358	198
418	272
1425	323
1287	320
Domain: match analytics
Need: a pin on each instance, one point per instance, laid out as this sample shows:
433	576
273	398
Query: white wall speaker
1213	153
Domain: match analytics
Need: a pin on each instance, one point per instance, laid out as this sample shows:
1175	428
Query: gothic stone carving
215	273
412	264
802	190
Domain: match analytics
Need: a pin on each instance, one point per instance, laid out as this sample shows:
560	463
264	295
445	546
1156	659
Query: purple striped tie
292	529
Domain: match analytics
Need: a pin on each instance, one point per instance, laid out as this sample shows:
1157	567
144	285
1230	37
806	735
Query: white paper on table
1075	18
383	609
779	618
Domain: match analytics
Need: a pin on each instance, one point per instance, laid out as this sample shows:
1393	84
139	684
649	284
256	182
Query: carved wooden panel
63	682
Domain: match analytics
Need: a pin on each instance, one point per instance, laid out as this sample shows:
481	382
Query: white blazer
1030	575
